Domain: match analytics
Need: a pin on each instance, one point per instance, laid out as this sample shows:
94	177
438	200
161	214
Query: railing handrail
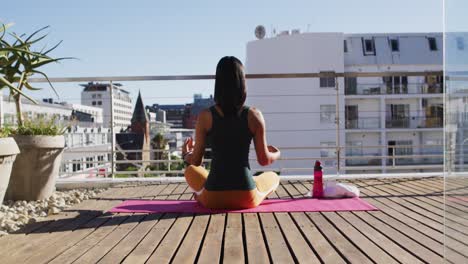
248	76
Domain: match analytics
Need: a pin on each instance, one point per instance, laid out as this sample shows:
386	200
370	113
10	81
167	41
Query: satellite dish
260	32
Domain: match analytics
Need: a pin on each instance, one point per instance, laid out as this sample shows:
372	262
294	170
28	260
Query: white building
87	144
374	113
98	95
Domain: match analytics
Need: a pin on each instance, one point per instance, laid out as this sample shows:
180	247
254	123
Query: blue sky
188	37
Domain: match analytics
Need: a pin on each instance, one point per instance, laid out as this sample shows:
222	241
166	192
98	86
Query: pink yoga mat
267	206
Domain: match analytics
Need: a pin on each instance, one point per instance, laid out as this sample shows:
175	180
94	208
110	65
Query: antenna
260	32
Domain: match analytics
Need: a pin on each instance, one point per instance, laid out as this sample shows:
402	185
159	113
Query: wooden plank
42	239
347	249
77	250
277	245
255	242
168	246
213	243
437	214
403	210
416	209
190	246
233	241
72	253
122	249
362	242
115	235
412	246
153	238
300	248
392	248
53	248
325	250
105	245
142	252
293	238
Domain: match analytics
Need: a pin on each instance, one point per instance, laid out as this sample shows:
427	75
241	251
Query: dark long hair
230	89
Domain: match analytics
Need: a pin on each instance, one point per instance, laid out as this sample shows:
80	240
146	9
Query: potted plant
41	142
8	147
8	152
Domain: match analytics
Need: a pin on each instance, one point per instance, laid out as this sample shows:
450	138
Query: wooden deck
407	229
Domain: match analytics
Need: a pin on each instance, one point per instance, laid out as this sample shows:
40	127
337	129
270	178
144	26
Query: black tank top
230	140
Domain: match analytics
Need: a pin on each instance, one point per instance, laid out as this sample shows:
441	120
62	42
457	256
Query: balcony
363	123
383	89
414	122
408	223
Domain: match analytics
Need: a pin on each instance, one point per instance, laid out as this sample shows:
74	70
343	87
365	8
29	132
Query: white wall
299	111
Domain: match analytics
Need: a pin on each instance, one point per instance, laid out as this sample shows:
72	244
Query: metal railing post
111	94
337	120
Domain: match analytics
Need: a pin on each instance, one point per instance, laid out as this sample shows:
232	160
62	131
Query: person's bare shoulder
255	114
255	119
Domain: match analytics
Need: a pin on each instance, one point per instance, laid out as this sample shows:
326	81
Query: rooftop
407	229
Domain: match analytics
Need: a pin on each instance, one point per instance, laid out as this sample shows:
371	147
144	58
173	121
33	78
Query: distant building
136	138
192	112
181	115
98	95
174	114
379	117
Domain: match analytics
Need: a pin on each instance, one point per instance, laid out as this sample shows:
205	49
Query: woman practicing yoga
229	127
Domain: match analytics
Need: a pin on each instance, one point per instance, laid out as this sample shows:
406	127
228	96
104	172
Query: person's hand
188	146
273	149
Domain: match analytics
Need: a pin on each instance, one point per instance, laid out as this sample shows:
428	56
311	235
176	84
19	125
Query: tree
159	143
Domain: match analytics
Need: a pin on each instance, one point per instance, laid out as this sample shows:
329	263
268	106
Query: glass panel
456	131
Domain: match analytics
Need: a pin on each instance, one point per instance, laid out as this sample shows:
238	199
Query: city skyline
146	41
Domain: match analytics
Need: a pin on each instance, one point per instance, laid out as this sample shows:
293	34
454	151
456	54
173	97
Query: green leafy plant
38	127
18	62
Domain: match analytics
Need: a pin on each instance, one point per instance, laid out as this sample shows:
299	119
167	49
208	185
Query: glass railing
363	123
414	122
385	89
298	132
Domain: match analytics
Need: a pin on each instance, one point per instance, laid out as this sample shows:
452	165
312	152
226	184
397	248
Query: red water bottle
317	191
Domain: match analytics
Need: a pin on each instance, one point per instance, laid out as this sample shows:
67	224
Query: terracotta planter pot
36	169
8	152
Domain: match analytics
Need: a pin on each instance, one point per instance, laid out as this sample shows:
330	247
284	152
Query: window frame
364	46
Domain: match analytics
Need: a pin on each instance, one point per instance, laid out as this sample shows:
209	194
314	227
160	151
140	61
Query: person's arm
193	155
266	155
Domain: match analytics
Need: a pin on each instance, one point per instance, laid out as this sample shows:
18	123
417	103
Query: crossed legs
196	176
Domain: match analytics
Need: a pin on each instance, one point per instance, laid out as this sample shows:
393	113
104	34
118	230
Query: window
94	103
99	96
432	43
327	82
396	84
460	43
368	46
354	148
397	116
99	102
395	45
328	150
89	162
345	46
350	85
93	96
403	148
327	113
